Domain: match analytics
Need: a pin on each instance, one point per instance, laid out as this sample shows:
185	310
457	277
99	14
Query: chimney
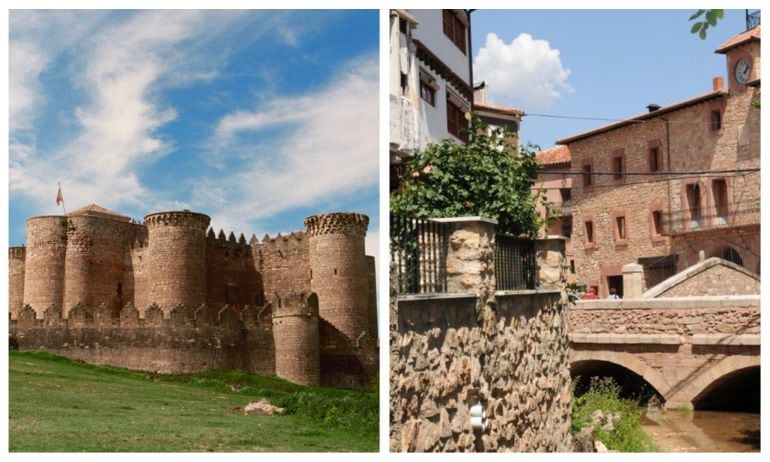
653	107
718	84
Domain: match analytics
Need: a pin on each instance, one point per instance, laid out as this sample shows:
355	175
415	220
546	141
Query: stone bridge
684	347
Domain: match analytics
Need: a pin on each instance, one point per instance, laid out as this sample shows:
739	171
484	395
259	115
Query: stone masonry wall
505	351
183	341
295	328
15	279
44	267
231	274
716	280
177	249
284	262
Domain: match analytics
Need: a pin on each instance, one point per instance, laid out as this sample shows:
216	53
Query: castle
166	295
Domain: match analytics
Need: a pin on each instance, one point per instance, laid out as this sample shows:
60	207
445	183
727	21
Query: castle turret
15	279
339	270
98	246
177	254
295	333
44	266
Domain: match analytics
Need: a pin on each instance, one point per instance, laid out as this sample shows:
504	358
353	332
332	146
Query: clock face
742	71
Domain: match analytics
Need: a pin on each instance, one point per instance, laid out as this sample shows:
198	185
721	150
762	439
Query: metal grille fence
418	249
515	263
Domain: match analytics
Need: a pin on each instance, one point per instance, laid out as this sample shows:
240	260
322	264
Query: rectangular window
427	93
587	180
719	190
716	121
428	87
589	232
566	194
694	205
455	120
566	229
657	223
620	227
572	266
617	168
654	159
454	29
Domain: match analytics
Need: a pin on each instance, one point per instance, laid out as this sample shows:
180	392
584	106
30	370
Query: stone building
557	190
316	285
660	187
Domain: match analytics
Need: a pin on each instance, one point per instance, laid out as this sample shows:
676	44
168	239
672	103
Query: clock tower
743	59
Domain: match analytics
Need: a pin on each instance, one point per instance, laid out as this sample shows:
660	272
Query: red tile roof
555	155
738	39
498	108
644	116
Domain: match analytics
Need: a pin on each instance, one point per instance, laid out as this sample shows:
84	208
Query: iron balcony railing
418	250
515	263
753	19
696	219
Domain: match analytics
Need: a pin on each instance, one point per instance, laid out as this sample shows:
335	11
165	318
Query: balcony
709	218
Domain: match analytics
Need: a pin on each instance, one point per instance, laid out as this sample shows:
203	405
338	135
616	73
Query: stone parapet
337	223
551	262
470	256
183	218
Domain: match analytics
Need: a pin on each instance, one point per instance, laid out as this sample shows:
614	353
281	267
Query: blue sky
256	118
593	63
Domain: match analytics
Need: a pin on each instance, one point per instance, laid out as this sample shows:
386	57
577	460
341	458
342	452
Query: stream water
703	431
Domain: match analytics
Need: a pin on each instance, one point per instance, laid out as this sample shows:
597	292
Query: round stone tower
44	266
339	270
296	338
177	259
15	280
98	243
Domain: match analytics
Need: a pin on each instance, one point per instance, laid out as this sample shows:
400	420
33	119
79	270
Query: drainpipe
470	55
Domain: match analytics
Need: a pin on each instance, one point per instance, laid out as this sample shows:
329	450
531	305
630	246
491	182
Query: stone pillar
470	258
550	255
633	279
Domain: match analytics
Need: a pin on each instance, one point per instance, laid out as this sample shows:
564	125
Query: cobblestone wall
504	351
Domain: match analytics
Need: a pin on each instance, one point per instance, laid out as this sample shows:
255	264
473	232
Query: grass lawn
61	405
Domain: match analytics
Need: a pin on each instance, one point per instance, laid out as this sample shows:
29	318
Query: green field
61	405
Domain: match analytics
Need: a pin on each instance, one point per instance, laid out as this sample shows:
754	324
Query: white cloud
331	148
526	72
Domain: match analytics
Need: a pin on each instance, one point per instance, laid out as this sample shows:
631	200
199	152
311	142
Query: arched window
729	254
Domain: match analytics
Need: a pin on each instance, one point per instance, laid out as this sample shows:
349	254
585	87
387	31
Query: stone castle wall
15	280
284	262
231	273
178	341
98	258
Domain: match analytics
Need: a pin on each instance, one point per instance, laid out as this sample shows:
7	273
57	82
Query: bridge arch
716	373
627	361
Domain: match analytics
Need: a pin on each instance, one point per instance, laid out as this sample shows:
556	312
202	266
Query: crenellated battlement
173	294
100	316
184	218
337	223
17	253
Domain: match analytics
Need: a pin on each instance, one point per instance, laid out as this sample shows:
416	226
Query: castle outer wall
165	295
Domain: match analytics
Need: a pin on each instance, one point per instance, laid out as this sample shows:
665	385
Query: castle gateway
166	295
